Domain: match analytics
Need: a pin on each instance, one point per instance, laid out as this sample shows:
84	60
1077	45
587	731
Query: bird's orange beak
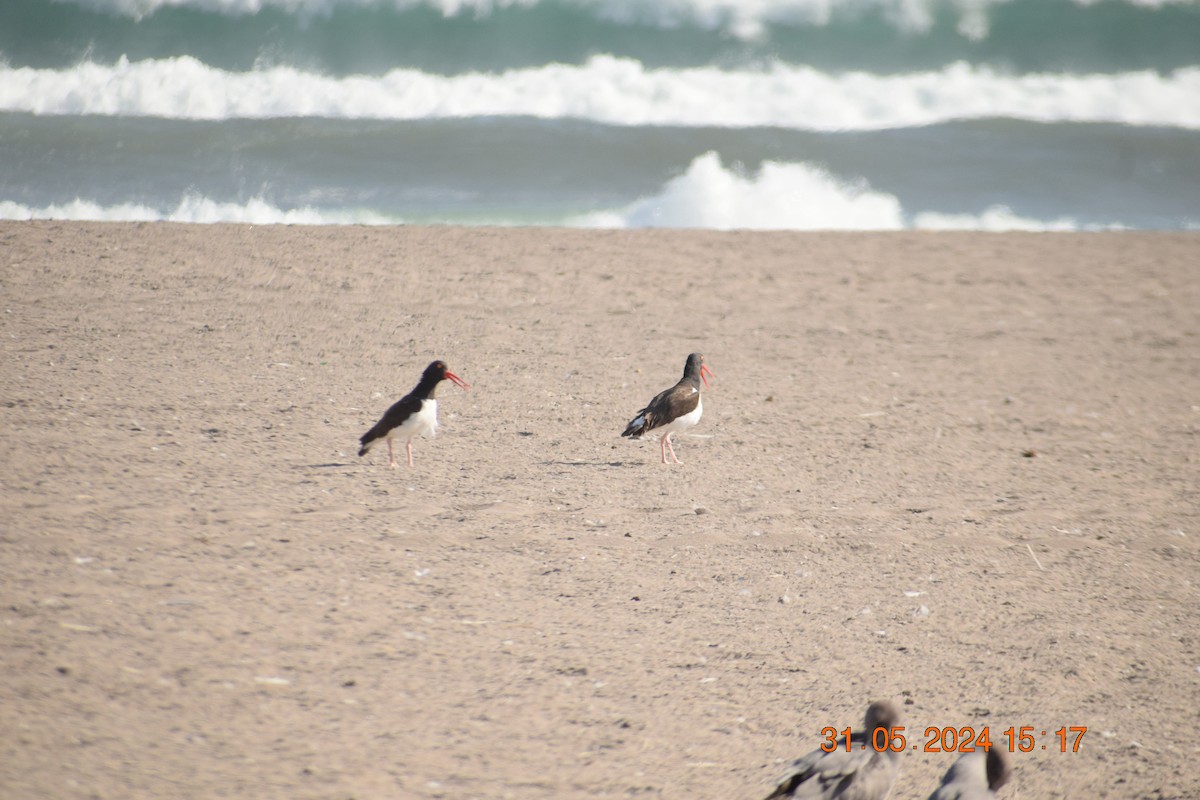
457	381
704	373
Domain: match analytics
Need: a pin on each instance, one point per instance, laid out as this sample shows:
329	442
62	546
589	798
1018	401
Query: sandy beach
959	471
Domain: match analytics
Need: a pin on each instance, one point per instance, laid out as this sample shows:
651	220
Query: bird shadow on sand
590	463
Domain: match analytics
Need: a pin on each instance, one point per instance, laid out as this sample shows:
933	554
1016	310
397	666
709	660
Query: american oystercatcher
862	773
674	410
412	415
975	776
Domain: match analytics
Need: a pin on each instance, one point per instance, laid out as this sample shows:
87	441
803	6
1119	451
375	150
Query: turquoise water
864	114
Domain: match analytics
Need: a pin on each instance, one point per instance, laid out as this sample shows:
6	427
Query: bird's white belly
680	424
422	423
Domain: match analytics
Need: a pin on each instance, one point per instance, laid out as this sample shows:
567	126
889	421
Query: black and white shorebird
975	776
673	410
862	773
412	415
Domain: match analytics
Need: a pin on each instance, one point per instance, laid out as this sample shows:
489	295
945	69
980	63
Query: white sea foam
191	209
780	196
998	218
794	196
613	91
742	18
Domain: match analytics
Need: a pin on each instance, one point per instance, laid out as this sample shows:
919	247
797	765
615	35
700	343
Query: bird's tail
636	426
368	441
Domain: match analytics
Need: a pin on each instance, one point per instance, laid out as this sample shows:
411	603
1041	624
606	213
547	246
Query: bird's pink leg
667	439
410	452
391	455
663	446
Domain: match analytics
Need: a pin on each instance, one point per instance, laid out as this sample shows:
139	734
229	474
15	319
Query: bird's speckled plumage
860	774
975	776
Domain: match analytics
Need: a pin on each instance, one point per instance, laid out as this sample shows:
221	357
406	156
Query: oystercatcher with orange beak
673	410
412	415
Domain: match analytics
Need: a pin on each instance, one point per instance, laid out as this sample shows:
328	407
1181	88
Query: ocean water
771	114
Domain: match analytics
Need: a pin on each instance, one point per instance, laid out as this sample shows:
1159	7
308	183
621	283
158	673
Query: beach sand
961	471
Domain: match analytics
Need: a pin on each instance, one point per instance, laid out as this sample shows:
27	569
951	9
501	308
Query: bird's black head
999	770
696	370
438	371
882	714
